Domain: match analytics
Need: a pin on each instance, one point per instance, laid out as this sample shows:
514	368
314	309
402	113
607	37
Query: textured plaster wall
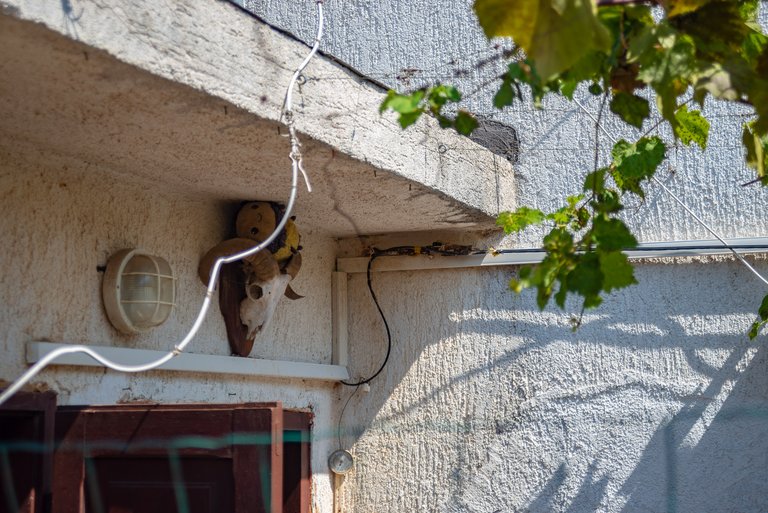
59	224
215	47
407	44
658	403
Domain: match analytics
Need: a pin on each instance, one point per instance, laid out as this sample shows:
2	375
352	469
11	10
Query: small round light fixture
139	290
340	462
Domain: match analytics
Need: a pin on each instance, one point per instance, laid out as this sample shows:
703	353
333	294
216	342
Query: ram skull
265	282
265	285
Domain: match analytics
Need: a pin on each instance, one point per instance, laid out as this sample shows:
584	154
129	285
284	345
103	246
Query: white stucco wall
407	44
216	48
656	404
659	402
60	224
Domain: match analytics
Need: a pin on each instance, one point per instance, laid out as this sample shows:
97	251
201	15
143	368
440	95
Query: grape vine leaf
504	96
519	219
586	279
679	7
633	163
617	271
408	106
691	127
465	123
612	234
668	63
761	321
632	109
554	33
757	149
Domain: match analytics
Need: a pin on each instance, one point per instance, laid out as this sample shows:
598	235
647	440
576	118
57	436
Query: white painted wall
428	41
658	403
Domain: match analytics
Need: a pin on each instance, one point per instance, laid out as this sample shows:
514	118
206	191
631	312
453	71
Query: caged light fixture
139	291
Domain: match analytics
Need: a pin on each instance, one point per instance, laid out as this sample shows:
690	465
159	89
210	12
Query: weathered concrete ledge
218	49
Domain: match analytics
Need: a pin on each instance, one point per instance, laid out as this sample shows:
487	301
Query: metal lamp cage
139	290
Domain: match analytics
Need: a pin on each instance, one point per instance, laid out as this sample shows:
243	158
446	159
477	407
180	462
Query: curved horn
226	248
293	266
292	269
291	294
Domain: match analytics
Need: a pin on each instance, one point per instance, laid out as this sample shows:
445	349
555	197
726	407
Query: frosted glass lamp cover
139	290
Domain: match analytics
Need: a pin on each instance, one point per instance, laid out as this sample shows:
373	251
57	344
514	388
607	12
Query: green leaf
691	127
518	220
595	181
586	278
608	201
633	163
617	271
757	149
632	109
406	119
504	96
440	95
763	310
754	45
523	280
668	63
611	234
500	18
465	122
554	33
748	9
679	7
569	214
559	240
408	106
717	29
451	93
402	103
595	89
762	320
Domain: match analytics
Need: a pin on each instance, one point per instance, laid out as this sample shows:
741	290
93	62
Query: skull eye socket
254	291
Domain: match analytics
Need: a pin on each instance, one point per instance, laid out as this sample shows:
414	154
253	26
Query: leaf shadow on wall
483	380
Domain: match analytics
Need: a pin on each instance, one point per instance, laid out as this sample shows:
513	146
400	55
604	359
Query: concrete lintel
221	50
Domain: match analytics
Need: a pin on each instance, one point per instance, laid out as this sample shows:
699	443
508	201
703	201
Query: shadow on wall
658	403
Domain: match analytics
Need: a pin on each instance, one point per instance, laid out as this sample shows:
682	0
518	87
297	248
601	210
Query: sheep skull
263	295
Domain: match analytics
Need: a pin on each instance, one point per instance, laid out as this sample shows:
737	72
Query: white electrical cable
681	203
296	167
287	112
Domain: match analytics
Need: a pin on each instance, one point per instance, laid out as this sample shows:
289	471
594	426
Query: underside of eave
69	105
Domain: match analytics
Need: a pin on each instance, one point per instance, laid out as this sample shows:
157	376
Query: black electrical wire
341	415
386	326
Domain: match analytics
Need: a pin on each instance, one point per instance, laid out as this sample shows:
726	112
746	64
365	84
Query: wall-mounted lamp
341	462
139	290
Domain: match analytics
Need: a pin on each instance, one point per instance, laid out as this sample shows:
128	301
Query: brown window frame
42	405
298	500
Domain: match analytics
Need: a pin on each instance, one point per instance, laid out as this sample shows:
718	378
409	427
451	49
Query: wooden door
152	459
